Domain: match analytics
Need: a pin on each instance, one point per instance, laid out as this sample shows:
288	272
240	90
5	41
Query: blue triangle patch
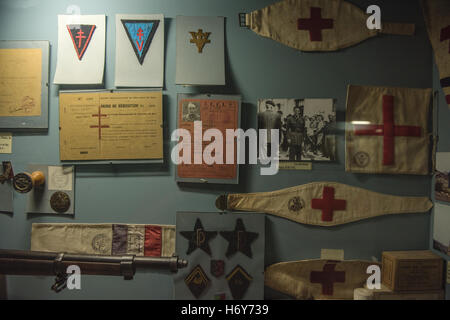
140	33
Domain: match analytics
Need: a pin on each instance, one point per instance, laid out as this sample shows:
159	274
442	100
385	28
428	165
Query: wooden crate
412	270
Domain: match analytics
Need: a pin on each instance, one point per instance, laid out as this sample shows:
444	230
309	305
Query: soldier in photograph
296	132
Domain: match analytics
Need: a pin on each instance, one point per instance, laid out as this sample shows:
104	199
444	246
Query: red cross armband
315	25
323	203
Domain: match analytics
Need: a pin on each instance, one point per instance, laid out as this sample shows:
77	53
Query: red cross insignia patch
387	130
81	37
327	278
328	204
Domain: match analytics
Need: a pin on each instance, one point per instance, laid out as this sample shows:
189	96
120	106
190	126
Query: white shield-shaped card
200	51
81	49
139	50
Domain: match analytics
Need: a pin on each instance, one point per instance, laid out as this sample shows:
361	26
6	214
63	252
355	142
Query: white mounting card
139	50
81	49
200	51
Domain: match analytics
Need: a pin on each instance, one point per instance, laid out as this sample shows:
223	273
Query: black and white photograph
305	127
191	111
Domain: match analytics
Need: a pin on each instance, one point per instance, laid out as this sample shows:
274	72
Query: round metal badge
22	182
60	202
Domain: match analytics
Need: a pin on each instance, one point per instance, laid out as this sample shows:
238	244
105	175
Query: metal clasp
126	267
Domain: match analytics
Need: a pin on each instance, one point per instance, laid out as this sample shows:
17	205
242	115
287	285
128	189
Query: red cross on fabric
80	37
328	204
99	126
445	35
315	24
388	130
328	277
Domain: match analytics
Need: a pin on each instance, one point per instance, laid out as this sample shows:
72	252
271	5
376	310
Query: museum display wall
256	68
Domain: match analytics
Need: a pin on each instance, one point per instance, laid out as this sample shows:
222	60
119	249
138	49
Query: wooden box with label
412	270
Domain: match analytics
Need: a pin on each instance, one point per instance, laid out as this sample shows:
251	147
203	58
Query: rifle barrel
18	262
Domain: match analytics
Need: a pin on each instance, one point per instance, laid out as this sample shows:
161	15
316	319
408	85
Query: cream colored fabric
168	237
94	238
361	203
437	17
279	22
136	239
411	108
293	278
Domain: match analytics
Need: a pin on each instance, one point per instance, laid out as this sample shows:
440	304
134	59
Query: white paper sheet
60	178
69	68
129	72
208	66
5	142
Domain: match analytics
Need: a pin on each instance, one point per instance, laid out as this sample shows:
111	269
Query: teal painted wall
256	68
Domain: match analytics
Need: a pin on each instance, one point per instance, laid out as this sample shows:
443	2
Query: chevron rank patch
81	37
238	282
140	33
197	281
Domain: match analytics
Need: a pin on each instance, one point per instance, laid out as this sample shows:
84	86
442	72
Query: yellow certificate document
110	126
20	82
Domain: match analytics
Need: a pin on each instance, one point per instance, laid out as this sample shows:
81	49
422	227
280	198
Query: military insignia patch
197	281
217	268
81	37
199	238
296	204
361	159
239	240
238	282
327	278
200	38
328	204
140	33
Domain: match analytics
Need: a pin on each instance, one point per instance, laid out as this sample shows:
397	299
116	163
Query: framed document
24	69
110	125
196	115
